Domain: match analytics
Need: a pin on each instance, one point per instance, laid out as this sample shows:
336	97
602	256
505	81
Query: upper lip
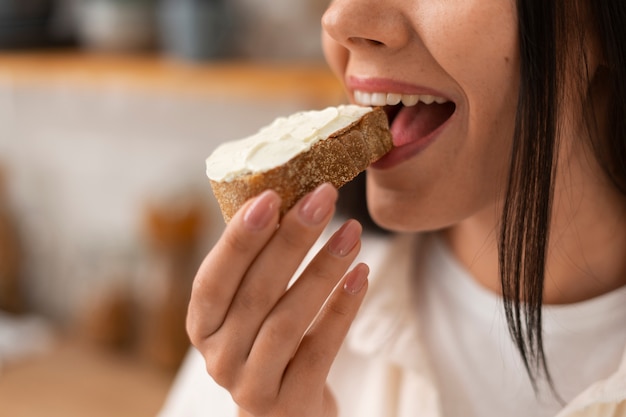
387	93
386	85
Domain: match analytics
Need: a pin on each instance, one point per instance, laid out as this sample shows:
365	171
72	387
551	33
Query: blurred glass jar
194	30
117	25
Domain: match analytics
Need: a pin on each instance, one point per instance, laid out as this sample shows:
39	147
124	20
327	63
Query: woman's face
451	157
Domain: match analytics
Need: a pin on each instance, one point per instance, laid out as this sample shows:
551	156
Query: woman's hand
269	346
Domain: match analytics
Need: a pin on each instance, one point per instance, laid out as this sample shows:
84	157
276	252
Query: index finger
226	264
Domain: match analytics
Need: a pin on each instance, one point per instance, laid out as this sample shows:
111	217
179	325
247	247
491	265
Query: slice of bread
337	158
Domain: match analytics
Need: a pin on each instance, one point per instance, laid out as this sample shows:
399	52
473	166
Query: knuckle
253	299
203	320
193	330
277	330
322	272
251	398
337	308
293	237
237	241
221	366
201	285
315	357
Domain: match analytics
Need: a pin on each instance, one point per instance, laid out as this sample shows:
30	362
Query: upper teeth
382	99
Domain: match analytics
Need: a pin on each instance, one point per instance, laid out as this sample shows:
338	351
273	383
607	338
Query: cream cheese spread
277	143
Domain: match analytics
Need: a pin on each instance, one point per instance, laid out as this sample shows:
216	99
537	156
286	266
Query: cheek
459	176
464	173
475	42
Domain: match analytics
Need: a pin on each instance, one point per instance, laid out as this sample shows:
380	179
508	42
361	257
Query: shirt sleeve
195	394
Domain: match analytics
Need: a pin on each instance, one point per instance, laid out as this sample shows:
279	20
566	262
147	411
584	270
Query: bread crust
337	159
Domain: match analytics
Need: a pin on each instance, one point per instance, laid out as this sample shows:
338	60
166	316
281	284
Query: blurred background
108	109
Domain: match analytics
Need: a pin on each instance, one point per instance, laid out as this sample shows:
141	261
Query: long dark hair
552	47
551	43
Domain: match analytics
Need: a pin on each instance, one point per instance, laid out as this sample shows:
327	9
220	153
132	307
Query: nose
366	23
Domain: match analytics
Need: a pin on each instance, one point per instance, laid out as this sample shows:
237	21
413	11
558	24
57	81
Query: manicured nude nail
345	239
316	206
262	210
356	279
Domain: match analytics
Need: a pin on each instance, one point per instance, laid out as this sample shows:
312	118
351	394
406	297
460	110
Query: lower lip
399	154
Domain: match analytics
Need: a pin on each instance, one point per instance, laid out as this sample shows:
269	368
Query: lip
401	153
387	85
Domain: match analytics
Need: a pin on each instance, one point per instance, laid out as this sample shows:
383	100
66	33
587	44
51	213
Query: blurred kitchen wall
103	186
192	29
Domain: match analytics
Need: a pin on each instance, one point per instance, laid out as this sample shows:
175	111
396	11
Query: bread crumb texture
337	159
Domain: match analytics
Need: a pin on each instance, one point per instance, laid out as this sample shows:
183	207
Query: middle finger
268	277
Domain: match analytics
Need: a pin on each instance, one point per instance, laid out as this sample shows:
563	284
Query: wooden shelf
154	73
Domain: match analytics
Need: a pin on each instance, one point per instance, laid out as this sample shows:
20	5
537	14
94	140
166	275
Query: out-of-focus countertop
309	80
73	380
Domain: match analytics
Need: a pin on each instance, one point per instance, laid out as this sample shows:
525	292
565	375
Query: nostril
365	41
374	42
367	23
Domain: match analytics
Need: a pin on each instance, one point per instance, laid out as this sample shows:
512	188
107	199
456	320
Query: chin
408	212
390	209
390	214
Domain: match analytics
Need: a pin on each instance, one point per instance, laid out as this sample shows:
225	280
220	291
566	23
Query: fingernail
317	206
262	210
345	239
357	279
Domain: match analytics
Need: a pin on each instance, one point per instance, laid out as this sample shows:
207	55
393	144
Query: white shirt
472	354
414	350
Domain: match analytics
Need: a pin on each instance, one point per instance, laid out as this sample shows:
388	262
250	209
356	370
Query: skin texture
428	44
254	332
251	331
456	184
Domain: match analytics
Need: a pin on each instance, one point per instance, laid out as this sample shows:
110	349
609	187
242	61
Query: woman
504	290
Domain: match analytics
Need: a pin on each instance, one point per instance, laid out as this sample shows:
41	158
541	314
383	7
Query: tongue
414	123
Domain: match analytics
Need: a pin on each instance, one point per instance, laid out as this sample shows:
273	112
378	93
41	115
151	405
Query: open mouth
411	117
